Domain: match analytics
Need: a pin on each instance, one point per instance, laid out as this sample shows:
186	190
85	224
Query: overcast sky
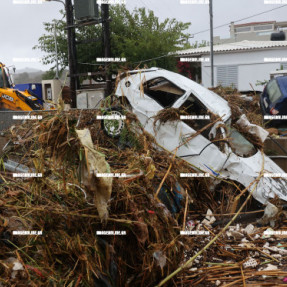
22	25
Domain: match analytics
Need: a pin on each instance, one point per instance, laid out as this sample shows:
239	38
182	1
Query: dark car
273	100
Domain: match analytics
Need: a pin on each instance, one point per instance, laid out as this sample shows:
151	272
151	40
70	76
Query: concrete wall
251	66
252	36
6	117
56	88
89	99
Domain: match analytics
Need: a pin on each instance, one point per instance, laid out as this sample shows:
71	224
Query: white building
254	31
239	64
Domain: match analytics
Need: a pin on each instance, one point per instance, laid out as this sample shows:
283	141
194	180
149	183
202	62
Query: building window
263	27
242	29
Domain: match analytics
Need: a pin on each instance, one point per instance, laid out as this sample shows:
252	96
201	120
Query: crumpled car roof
212	101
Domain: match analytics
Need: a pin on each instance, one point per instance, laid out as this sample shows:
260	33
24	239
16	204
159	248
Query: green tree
49	75
136	36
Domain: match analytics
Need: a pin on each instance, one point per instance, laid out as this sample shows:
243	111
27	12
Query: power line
245	18
227	24
169	55
155	58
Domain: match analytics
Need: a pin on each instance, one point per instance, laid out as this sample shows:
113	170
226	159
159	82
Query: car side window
193	107
163	91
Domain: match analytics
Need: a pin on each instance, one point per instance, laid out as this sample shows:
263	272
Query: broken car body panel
199	151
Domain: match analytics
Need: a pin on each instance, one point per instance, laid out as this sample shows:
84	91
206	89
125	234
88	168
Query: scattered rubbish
249	229
236	234
17	267
145	244
190	225
246	98
94	163
270	213
160	257
209	219
253	129
217	282
251	262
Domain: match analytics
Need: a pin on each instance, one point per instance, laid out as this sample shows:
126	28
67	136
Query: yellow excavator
12	99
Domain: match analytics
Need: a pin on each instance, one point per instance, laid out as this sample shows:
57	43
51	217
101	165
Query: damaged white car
150	91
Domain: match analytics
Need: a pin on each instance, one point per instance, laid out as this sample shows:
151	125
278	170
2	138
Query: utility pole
72	51
107	45
211	42
72	56
56	50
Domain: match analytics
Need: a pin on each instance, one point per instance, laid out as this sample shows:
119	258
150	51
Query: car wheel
113	127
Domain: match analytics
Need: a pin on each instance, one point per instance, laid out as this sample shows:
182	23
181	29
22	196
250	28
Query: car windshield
238	143
273	91
163	91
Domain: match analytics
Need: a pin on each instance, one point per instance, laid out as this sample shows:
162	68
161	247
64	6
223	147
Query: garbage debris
253	129
143	239
239	105
160	257
94	163
71	231
270	213
251	262
209	219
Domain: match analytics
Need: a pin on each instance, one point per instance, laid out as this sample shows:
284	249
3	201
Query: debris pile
65	205
242	104
243	256
123	230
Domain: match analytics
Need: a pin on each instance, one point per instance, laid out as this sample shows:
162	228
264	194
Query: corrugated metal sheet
227	76
237	46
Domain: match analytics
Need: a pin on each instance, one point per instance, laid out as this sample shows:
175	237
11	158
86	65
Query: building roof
236	46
